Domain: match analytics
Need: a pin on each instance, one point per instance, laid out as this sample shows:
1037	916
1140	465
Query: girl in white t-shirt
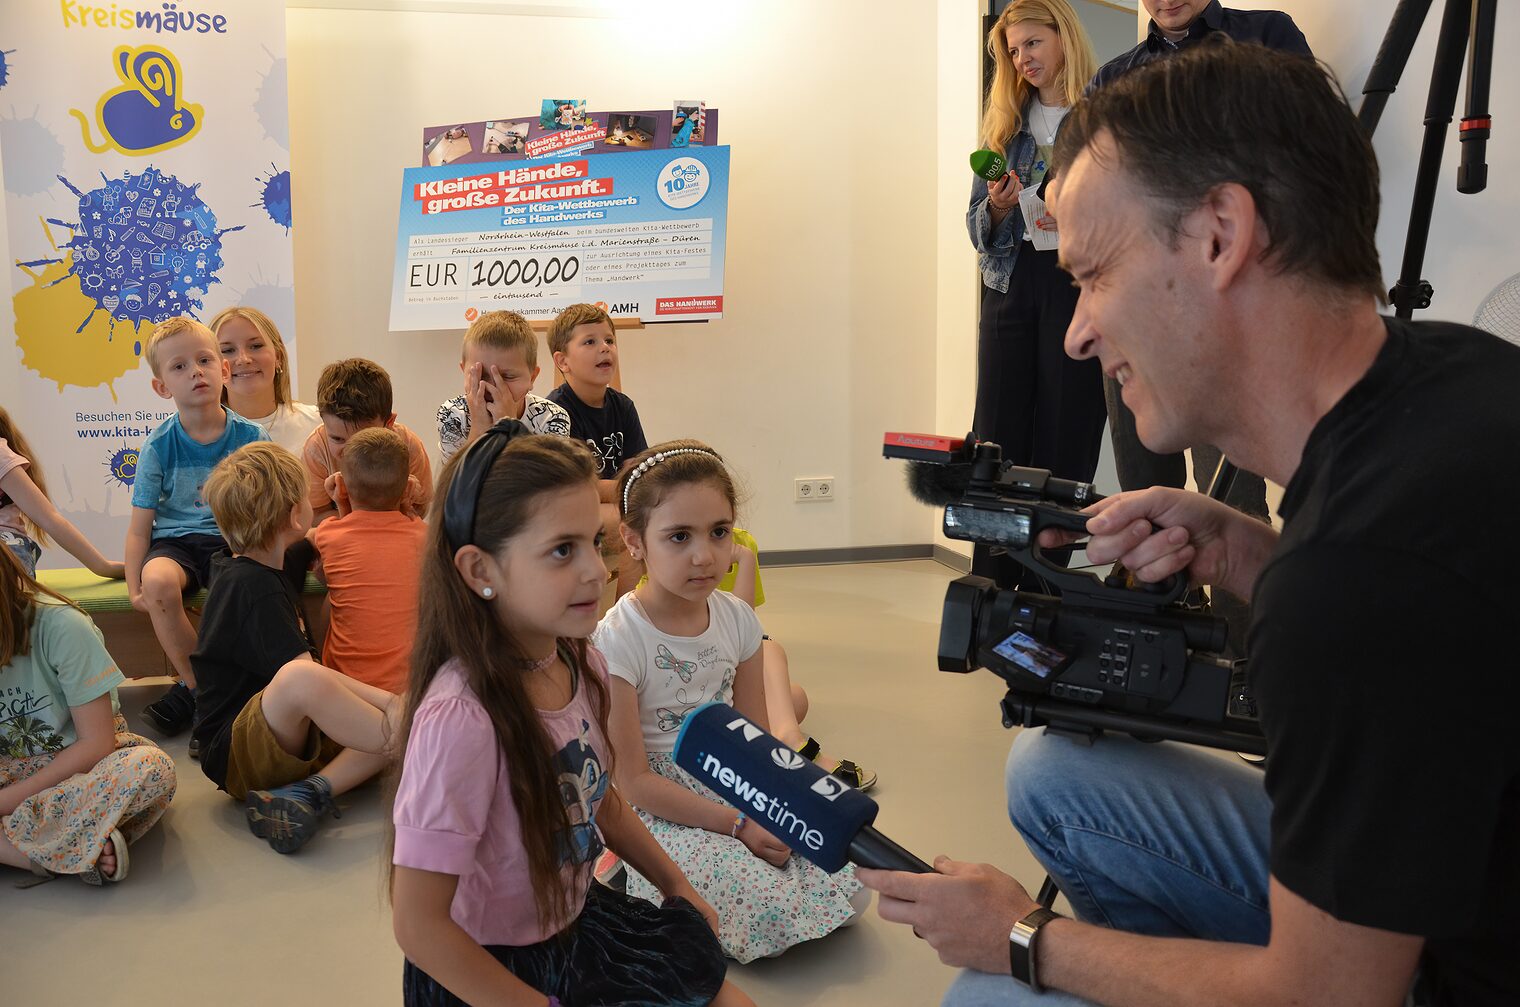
259	386
672	644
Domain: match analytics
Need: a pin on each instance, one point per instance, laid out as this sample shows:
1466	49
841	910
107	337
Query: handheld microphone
822	818
989	164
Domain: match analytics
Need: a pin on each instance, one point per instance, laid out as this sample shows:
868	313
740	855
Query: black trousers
1042	407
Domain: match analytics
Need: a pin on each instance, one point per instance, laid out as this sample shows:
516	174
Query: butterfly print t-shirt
676	674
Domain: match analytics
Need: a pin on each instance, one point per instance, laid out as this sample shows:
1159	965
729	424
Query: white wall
852	303
1112	30
831	276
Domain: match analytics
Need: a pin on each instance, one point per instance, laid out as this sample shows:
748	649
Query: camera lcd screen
1031	655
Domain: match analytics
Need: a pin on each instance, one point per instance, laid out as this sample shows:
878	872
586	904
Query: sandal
93	875
847	771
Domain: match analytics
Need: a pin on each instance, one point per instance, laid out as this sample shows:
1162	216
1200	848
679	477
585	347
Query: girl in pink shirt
504	805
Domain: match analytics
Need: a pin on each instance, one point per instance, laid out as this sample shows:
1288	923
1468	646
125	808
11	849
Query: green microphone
989	164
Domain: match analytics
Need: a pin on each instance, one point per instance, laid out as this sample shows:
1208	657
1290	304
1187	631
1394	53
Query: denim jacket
997	252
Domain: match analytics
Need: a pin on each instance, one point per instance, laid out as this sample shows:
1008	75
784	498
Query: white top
676	674
289	425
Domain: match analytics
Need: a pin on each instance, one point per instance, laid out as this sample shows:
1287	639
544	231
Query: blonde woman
259	389
1042	407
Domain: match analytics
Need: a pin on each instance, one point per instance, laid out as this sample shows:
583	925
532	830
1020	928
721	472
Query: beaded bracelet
739	824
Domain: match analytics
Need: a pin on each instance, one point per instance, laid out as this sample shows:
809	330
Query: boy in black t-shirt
584	345
277	729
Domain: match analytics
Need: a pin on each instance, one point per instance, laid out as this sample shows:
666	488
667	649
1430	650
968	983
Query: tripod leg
1411	292
1472	176
1048	892
1392	55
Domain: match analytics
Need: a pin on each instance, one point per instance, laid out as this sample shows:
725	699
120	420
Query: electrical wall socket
817	488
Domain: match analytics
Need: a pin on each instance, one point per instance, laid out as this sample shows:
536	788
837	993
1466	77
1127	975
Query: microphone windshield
938	485
791	797
989	164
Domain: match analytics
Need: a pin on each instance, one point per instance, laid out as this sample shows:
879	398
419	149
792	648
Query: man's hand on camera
964	912
1161	531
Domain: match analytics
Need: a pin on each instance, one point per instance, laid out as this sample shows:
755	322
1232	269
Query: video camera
1107	654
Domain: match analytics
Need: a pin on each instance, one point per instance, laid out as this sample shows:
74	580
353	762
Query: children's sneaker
172	712
287	817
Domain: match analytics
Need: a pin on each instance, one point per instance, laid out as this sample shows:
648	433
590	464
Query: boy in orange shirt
372	559
355	395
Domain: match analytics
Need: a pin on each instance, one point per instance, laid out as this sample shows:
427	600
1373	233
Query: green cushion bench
129	633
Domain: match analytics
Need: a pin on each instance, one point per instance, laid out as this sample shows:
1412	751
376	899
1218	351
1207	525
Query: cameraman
1219	210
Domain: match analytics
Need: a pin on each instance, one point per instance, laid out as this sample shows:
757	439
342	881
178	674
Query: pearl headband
655	459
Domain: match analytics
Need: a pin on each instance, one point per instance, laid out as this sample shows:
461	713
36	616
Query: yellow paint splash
46	317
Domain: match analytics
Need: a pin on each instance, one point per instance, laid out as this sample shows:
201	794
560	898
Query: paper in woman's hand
1033	208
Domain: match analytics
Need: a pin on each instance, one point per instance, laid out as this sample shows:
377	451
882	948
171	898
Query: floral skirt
762	910
65	827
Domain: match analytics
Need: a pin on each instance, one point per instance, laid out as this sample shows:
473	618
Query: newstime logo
776	812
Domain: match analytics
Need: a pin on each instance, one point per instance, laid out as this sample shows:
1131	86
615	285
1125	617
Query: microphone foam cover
938	485
989	164
792	798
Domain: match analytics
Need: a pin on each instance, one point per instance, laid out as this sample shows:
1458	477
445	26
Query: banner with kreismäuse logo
641	232
146	173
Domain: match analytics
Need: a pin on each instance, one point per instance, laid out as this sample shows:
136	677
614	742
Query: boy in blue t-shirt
173	535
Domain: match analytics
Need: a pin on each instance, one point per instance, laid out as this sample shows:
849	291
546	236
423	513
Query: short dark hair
1276	123
354	390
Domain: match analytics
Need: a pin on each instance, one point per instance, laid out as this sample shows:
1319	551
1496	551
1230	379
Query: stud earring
488	592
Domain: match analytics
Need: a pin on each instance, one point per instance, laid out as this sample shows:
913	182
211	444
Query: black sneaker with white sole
173	712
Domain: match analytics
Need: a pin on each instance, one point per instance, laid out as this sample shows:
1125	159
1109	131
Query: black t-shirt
251	626
613	431
1382	660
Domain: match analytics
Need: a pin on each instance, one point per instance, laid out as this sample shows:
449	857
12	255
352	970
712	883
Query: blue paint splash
122	466
146	245
275	197
5	67
272	103
36	155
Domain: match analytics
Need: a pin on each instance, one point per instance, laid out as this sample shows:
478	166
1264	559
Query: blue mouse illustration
145	113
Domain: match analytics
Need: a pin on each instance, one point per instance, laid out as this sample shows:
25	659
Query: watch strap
1021	940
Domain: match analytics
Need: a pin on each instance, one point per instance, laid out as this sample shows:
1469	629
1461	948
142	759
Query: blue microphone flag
792	798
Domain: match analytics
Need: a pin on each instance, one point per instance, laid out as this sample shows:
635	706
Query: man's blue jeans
1160	839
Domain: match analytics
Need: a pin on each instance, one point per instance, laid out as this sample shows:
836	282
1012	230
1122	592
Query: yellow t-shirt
747	540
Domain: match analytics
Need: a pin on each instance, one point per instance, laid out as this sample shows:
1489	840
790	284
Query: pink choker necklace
534	667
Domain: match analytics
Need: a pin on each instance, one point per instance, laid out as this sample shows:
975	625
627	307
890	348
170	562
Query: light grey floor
211	915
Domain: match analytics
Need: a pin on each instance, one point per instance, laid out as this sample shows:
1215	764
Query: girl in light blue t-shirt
76	786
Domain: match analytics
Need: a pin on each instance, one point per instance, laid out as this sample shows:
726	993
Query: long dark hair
19	591
454	623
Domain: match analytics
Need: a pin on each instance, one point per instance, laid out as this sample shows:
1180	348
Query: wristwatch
1021	947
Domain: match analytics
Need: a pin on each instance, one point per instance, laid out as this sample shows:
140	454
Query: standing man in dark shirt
1225	250
1176	26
